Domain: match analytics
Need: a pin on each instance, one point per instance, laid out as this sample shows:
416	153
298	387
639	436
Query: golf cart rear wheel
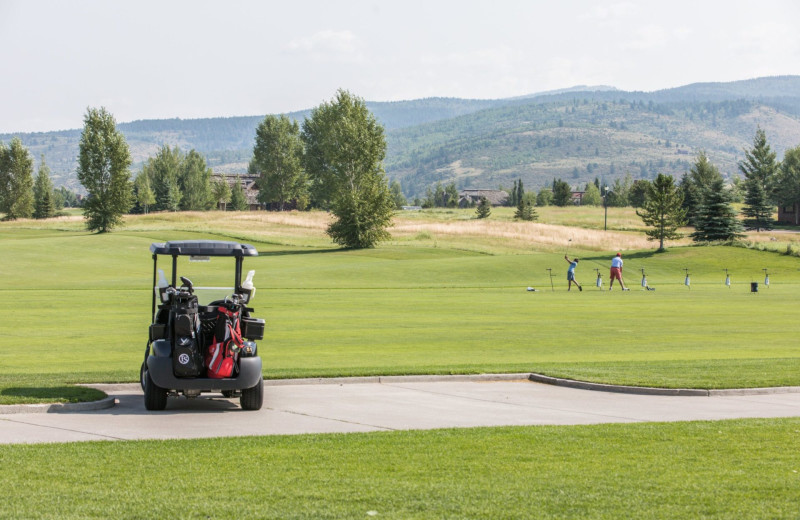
155	397
253	398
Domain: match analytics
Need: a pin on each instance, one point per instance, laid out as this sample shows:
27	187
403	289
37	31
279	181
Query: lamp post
605	208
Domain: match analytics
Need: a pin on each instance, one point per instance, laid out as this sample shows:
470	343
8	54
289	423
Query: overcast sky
146	59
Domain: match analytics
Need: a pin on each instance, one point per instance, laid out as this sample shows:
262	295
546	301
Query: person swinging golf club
616	272
571	273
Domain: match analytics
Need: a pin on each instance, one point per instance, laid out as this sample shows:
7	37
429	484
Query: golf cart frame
157	377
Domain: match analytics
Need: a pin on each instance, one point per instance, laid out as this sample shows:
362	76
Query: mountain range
577	134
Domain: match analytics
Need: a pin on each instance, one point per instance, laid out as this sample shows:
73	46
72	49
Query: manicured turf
746	469
76	307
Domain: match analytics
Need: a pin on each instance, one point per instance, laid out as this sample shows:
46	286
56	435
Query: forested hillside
573	134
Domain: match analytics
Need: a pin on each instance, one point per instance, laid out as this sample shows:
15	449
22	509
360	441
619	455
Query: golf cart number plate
196	258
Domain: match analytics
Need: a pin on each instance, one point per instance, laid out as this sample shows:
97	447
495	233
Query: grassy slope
440	304
725	469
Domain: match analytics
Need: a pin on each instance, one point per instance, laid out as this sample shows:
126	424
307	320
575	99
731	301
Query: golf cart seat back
203	248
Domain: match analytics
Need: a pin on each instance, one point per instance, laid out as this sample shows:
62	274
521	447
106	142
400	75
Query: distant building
577	197
249	186
789	214
467	198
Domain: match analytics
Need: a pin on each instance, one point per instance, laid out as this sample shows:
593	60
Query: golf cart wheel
155	397
253	398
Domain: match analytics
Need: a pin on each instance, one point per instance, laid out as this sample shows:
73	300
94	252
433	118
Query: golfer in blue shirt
571	273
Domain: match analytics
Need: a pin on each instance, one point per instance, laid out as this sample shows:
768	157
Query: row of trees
333	161
22	196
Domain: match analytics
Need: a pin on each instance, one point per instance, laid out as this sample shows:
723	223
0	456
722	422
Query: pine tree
43	193
760	169
716	218
700	178
484	208
661	210
525	210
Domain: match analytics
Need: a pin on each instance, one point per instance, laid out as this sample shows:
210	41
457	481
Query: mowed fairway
76	307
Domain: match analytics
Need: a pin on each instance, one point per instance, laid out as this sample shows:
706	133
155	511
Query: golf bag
223	354
187	360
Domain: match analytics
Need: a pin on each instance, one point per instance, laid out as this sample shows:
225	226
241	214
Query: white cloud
328	45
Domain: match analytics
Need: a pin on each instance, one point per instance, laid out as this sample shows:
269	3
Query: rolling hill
576	134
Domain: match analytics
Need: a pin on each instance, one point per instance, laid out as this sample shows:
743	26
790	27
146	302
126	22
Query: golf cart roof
202	248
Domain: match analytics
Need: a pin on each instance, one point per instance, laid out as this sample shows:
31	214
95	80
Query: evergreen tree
16	181
760	170
221	191
701	177
662	210
562	193
345	149
715	218
238	197
638	193
484	209
103	162
525	210
277	160
44	202
195	183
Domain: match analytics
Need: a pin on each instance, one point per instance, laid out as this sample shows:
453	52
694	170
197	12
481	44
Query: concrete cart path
379	406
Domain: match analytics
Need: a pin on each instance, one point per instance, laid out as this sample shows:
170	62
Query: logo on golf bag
184	359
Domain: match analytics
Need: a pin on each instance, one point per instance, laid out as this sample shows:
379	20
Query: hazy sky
146	59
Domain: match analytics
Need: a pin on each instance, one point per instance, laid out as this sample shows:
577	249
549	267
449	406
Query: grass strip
724	469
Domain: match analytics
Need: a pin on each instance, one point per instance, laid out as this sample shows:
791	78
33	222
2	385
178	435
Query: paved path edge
102	404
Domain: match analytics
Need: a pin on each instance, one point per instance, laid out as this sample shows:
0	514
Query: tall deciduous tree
164	171
788	183
345	148
221	192
278	161
662	210
397	194
16	181
716	218
238	196
143	192
103	170
195	183
44	203
760	169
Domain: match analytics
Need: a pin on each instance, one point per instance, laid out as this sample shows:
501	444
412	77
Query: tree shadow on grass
299	252
50	394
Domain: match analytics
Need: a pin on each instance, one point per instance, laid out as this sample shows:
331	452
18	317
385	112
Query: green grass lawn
76	308
744	469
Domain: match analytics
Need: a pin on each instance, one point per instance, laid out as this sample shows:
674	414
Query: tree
397	195
277	160
195	183
591	196
662	210
44	203
164	171
694	185
345	147
143	193
16	181
562	193
760	169
103	170
221	191
238	197
715	218
788	182
484	209
544	197
638	193
525	210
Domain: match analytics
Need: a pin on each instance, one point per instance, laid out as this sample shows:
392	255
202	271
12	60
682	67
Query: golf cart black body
161	373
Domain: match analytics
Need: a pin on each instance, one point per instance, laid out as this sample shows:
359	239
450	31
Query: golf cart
198	346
